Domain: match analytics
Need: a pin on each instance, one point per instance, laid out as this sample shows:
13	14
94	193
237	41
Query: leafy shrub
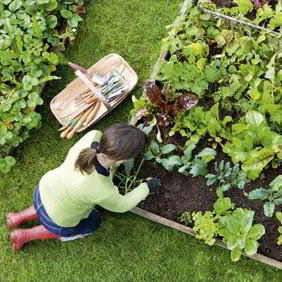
32	32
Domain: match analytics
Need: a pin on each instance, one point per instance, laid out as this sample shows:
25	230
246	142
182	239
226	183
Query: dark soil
180	193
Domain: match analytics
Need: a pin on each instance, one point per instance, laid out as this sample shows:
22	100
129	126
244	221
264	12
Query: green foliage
198	165
279	217
29	36
127	176
239	234
196	123
253	143
226	177
155	152
186	218
235	226
205	226
273	195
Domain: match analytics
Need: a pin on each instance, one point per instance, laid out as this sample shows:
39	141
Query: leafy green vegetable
253	143
156	153
235	226
273	195
226	177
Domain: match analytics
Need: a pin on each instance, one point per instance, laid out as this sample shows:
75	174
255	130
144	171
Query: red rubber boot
21	236
17	218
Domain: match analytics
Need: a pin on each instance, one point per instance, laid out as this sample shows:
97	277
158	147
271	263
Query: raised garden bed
183	192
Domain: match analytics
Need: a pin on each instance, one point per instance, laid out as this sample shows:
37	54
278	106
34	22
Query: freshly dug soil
180	193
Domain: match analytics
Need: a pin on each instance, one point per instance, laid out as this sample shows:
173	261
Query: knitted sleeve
122	203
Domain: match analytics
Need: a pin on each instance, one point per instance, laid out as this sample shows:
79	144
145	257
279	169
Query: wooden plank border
173	224
185	229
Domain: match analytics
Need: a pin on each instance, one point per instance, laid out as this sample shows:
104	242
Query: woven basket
63	103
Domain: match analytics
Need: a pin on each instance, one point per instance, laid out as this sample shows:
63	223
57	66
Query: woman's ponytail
86	160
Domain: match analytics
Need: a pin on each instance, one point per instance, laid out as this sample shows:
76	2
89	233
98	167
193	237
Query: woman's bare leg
21	236
17	218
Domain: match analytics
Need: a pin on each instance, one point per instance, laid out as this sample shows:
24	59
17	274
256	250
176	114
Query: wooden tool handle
70	127
90	100
80	122
92	113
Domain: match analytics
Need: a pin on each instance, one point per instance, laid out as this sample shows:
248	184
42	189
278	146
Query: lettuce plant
254	144
235	226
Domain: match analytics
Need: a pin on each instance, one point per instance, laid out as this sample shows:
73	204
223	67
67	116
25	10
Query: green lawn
126	247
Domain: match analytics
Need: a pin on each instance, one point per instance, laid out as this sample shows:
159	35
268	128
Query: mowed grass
126	247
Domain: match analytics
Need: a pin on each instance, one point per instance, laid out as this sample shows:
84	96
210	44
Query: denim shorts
85	226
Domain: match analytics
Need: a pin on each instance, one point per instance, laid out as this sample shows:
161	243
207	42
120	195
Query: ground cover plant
33	35
127	247
230	76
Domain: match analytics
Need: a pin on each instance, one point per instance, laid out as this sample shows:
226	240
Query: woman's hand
154	184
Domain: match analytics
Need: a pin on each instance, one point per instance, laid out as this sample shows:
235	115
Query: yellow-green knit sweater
69	196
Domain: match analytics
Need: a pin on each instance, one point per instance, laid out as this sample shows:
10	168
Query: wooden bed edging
185	229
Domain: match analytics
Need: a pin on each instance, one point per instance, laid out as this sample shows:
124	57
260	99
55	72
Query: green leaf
254	118
268	209
279	216
278	201
10	161
246	221
66	14
270	74
207	154
199	167
52	5
148	156
211	179
276	182
259	194
251	247
51	21
279	75
15	5
167	148
236	254
205	17
171	162
222	205
232	242
256	232
128	166
36	31
155	148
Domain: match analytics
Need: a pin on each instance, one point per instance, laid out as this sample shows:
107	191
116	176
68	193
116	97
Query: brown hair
118	142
